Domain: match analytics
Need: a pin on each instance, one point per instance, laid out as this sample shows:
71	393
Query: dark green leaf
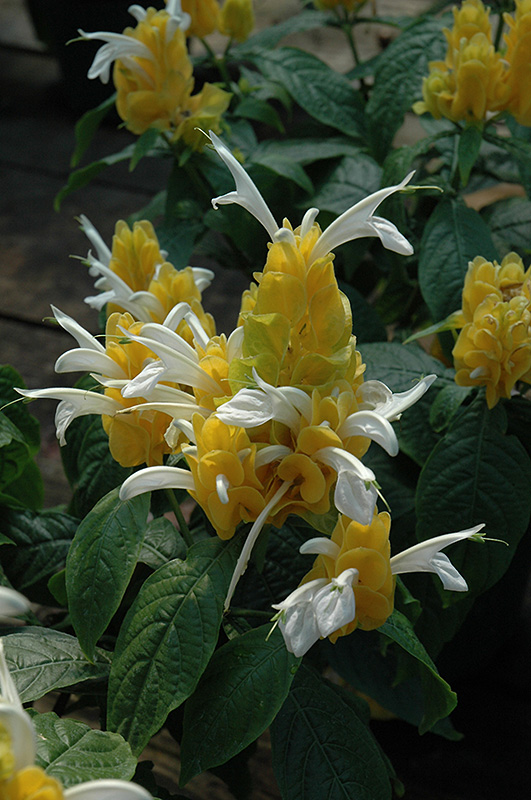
322	749
167	639
446	404
438	697
400	365
41	660
41	542
520	150
398	163
162	543
351	181
259	110
17	411
323	93
306	151
468	151
510	223
453	236
398	80
143	145
237	698
284	167
14	452
268	38
366	324
80	178
87	126
476	474
100	563
74	753
27	490
96	469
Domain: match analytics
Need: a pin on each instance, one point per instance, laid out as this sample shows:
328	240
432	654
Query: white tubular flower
359	221
246	194
127	48
355	493
95	238
19	750
12	603
427	557
355	223
152	478
376	396
73	403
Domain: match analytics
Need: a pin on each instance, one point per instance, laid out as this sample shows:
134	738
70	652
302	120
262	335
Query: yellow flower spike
135	254
310	480
204	14
518	57
237	19
172	286
494	346
32	783
470	18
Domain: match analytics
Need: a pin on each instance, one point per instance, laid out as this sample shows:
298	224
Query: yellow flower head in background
518	56
470	83
237	19
153	77
204	16
494	346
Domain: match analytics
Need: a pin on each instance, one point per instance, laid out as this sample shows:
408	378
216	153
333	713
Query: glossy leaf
17	411
162	543
453	236
352	180
87	126
41	660
322	747
468	151
510	223
266	39
167	639
400	365
74	753
237	698
80	178
100	563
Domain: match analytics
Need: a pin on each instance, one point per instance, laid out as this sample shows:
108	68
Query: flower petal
107	790
152	478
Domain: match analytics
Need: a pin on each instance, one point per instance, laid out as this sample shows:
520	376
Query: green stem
197	180
249	612
499	30
349	33
220	63
183	527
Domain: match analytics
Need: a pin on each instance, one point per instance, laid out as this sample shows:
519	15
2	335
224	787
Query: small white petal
93	235
307	221
381	399
152	478
372	425
14	718
247	409
246	194
12	603
107	790
85	360
222	487
298	626
355	498
270	453
82	336
335	604
320	545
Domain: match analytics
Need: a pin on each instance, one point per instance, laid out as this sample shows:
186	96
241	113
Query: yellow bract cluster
235	18
31	783
365	548
297	323
494	346
157	91
475	80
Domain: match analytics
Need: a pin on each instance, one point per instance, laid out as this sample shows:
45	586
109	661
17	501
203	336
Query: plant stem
220	63
249	612
499	30
183	527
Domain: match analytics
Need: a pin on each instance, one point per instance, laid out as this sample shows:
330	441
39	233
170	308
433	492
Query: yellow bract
365	548
224	450
518	57
157	91
136	437
7	759
204	14
494	346
237	19
31	783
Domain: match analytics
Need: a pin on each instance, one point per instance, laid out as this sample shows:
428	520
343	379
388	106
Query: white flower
355	223
19	727
12	603
127	48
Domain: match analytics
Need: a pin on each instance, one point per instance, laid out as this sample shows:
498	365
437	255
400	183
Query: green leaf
476	474
178	236
365	660
520	150
398	80
322	747
510	223
80	178
285	168
323	93
468	150
366	324
40	545
438	697
237	698
87	126
398	162
259	110
167	639
351	181
97	471
101	561
307	150
268	38
162	543
453	236
14	452
73	753
447	404
400	366
143	145
17	411
41	660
